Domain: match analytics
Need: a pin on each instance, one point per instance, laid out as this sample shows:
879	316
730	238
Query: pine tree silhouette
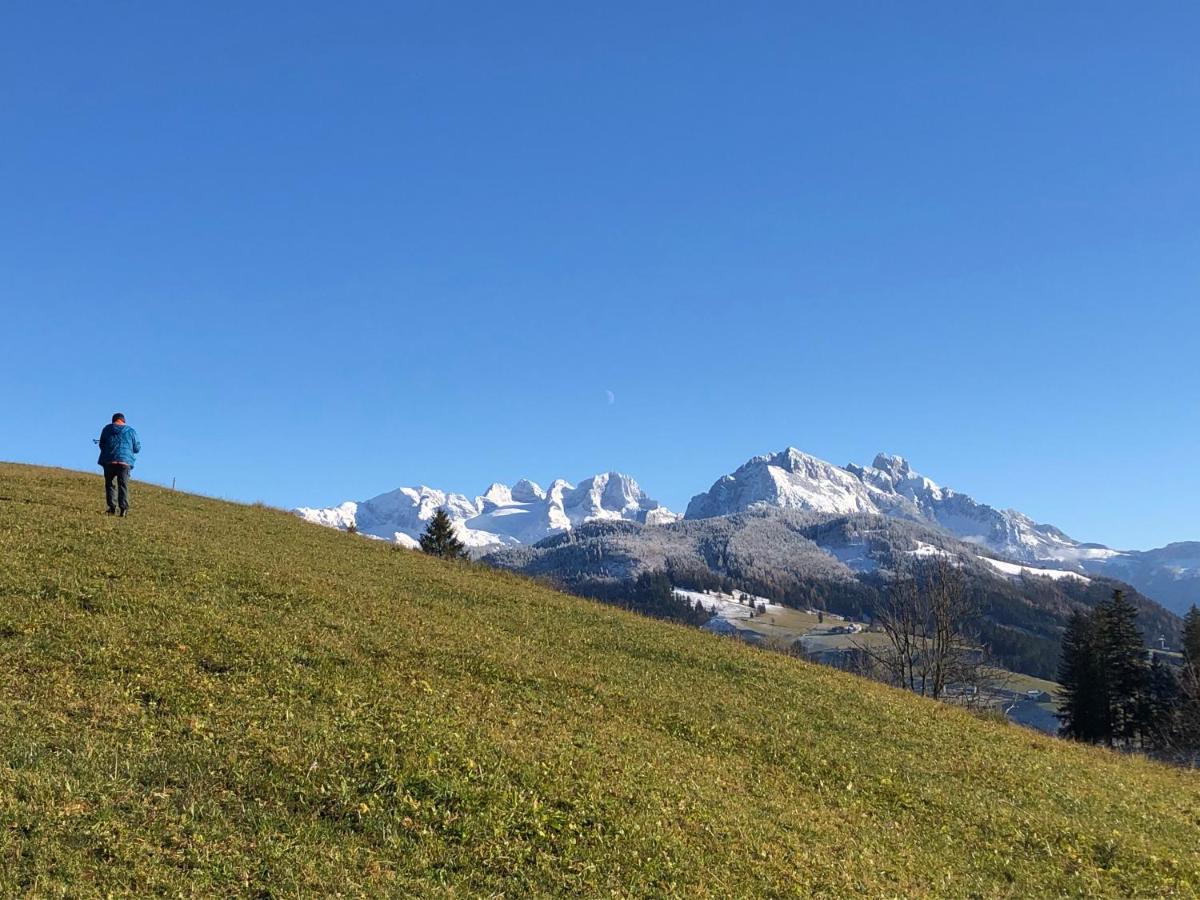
439	538
1081	706
1123	666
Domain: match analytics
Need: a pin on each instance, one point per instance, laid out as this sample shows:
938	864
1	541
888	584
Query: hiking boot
124	513
110	511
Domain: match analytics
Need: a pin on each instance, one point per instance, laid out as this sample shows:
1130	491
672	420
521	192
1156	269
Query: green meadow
211	699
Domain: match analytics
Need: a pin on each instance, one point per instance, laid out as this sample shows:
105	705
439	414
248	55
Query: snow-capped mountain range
791	479
525	513
521	514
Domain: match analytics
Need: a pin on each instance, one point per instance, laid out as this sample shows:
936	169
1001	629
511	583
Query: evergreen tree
1188	710
1191	638
1161	718
439	538
1081	707
1122	666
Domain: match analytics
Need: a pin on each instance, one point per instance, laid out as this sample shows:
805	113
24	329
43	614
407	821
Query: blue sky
318	251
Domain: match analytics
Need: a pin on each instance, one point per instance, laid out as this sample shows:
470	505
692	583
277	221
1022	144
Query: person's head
118	418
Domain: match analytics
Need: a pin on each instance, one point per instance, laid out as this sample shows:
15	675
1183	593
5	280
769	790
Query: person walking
119	445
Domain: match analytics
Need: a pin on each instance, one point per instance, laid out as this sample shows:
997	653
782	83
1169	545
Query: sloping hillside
839	562
211	699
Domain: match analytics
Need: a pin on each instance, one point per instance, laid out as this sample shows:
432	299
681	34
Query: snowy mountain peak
502	515
789	479
795	480
609	491
526	491
896	466
610	495
497	494
426	500
792	460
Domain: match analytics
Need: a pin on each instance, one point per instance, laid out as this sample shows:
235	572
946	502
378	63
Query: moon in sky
612	398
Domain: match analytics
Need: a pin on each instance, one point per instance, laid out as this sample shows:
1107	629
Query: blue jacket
118	444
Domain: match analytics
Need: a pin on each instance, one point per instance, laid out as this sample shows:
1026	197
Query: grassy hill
207	698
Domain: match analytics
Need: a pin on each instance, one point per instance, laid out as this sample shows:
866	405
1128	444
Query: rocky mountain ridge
524	513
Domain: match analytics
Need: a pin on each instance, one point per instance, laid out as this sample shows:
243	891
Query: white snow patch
726	606
1015	570
924	549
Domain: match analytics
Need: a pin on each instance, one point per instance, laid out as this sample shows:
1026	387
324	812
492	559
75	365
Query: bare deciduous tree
927	615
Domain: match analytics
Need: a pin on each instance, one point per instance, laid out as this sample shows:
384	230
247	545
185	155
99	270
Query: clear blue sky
317	251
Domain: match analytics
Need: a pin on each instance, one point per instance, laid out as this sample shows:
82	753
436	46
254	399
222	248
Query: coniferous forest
1117	693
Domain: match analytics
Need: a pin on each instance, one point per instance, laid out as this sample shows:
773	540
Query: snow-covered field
726	606
924	549
1015	570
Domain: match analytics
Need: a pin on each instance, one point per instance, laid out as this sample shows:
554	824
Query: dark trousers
116	486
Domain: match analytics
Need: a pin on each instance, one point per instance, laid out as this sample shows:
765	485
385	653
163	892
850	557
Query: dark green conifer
439	538
1191	637
1123	667
1081	700
1160	728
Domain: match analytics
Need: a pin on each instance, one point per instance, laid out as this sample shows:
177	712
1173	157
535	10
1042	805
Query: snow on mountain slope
1018	570
1005	531
525	513
727	609
521	514
789	479
889	486
794	480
